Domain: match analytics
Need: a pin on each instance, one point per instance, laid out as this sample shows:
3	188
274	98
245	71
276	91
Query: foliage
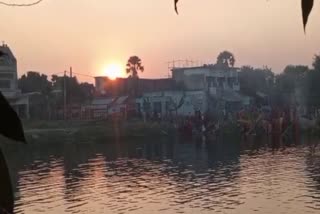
134	65
254	80
306	6
316	62
176	6
312	88
34	82
291	78
226	59
75	92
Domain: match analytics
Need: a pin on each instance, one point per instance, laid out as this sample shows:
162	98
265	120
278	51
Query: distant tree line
295	85
76	92
48	95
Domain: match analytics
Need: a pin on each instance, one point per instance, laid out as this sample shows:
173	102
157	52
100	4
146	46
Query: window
4	83
221	80
138	107
157	107
230	81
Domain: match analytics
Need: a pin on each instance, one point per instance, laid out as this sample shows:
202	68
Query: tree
290	85
313	89
76	93
34	82
134	65
253	80
291	77
87	91
316	62
226	59
312	84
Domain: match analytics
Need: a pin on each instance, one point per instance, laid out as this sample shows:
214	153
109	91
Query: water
164	178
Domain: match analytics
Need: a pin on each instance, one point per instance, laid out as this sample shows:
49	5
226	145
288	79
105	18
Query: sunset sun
113	70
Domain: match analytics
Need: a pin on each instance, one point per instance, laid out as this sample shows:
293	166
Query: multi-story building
208	88
212	78
9	82
221	84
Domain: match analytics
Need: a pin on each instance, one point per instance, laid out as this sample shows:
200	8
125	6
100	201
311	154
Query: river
164	177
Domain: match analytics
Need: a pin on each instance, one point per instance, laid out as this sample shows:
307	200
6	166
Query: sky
91	34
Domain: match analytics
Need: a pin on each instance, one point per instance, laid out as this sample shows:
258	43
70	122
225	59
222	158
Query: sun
113	70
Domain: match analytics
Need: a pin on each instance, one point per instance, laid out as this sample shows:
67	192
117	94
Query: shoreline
98	131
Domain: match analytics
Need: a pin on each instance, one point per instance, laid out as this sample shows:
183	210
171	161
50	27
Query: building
211	78
124	86
9	82
220	83
165	103
208	88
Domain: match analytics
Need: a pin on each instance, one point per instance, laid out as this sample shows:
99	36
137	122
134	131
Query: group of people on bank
273	122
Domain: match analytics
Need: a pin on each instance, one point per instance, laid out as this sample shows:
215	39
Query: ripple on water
263	181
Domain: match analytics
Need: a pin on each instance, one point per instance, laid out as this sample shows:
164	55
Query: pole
70	72
69	92
65	95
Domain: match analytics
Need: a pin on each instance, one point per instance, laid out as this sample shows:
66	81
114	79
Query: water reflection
165	177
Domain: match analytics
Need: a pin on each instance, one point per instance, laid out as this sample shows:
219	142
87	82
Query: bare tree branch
20	5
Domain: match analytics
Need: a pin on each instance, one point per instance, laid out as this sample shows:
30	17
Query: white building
221	85
9	82
208	77
184	103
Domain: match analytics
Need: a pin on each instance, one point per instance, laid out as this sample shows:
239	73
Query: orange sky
89	34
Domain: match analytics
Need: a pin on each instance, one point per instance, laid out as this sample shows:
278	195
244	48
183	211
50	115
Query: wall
8	72
170	100
209	78
124	86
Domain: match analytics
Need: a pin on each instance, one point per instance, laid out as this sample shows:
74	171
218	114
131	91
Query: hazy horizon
87	35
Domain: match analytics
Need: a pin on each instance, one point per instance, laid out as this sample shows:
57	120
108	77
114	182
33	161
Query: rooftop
6	56
207	66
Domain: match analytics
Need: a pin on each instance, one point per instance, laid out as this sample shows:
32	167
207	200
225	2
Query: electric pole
65	95
69	92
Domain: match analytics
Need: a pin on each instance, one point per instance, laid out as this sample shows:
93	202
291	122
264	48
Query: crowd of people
277	123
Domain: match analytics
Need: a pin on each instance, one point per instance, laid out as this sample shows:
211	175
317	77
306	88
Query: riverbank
97	131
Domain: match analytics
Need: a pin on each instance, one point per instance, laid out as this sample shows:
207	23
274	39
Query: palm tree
134	65
226	58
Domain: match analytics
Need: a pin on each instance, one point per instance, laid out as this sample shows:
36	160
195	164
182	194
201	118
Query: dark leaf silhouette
175	6
6	193
10	125
306	6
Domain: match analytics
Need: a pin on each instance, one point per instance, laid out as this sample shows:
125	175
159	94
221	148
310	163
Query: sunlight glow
113	70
